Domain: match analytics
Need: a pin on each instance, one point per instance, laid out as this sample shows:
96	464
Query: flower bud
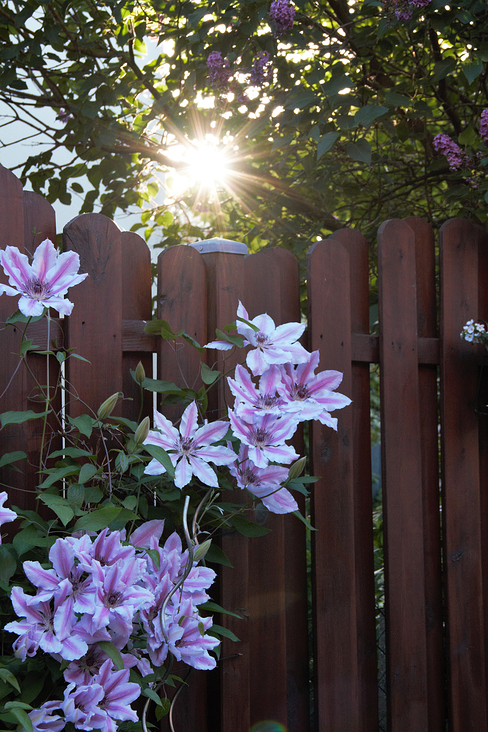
107	407
140	373
201	550
297	468
142	431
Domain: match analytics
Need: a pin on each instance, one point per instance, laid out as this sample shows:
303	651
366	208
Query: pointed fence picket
436	598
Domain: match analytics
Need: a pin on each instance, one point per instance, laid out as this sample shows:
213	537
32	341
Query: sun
203	164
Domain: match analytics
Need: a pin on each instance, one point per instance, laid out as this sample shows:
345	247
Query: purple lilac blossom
264	483
456	157
484	125
6	515
282	14
219	72
312	394
190	449
43	283
261	70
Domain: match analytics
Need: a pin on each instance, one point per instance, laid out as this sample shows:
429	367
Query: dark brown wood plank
357	247
278	611
427	329
95	325
225	285
19	389
136	304
333	512
402	480
182	302
466	654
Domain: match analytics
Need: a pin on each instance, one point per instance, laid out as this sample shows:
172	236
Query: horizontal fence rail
435	509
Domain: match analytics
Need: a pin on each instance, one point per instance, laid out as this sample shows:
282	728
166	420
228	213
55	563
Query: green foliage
341	135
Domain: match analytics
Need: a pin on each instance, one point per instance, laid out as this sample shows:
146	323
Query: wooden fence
435	513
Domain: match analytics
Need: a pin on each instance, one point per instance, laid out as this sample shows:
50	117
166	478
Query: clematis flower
265	437
272	345
250	399
44	721
264	483
118	693
44	282
312	394
190	448
6	515
187	639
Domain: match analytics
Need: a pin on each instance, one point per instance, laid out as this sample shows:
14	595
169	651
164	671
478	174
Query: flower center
113	599
37	289
260	437
267	401
186	445
261	339
301	392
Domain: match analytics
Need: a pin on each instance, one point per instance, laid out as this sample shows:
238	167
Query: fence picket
427	375
459	244
356	246
334	542
402	480
95	325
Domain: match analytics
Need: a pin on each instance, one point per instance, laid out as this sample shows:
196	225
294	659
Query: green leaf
159	386
163	710
25	540
368	114
97	520
12	457
88	470
213	607
8	563
467	136
248	528
216	555
74	452
442	69
326	142
113	653
304	520
162	456
152	695
9	678
18	710
83	423
208	376
218	631
20	417
393	99
472	70
360	151
55	475
92	494
59	505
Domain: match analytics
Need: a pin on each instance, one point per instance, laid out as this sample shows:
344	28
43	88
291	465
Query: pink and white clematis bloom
264	483
42	283
265	437
272	345
6	515
190	449
312	394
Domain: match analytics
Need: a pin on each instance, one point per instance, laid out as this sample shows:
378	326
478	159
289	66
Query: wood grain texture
333	511
459	244
402	480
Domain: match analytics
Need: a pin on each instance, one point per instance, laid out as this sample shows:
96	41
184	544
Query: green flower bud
201	550
142	431
107	407
140	373
297	468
